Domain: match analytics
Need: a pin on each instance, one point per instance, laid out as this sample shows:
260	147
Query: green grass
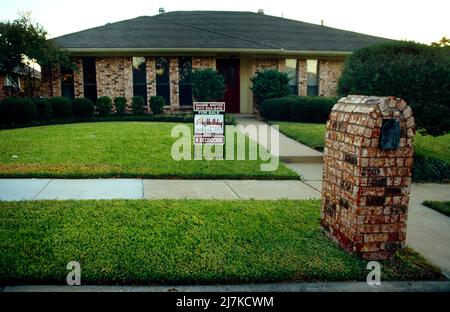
113	149
310	134
432	154
180	241
441	206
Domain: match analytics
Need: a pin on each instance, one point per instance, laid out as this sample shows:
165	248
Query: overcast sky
419	20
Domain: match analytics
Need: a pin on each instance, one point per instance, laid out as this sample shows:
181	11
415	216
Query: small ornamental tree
418	73
207	85
120	103
138	105
269	84
103	105
156	104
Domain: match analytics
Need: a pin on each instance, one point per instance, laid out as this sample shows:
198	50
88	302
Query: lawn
441	206
313	135
112	149
180	241
432	154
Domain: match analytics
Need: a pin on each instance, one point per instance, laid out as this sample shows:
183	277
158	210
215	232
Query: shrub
269	84
156	104
314	109
120	103
207	85
61	106
427	169
103	105
15	110
138	105
415	72
44	108
83	107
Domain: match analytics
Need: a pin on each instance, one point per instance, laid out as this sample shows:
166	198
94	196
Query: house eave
202	51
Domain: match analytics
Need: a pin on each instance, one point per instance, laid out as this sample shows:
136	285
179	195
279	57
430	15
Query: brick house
154	55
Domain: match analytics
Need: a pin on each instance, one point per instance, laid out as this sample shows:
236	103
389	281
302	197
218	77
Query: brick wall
329	73
174	83
268	63
201	62
366	189
151	77
302	77
114	77
78	78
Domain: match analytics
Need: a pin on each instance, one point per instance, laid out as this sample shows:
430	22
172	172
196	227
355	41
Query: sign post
209	123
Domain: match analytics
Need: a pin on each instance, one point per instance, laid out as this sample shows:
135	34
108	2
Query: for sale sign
209	123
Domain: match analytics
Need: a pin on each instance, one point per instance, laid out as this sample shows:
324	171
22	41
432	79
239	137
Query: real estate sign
209	123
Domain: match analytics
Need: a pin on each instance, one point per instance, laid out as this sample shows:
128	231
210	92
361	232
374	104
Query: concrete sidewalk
291	151
425	286
39	189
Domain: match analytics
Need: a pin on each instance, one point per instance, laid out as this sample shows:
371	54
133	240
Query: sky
418	20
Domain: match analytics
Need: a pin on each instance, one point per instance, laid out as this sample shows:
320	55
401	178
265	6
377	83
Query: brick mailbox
368	160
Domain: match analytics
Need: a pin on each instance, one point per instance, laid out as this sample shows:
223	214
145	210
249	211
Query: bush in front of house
269	84
43	107
313	109
16	110
62	107
156	104
120	103
207	85
138	105
418	73
103	105
83	108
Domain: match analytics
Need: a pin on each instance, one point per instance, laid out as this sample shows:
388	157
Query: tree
24	43
418	73
207	85
443	43
270	84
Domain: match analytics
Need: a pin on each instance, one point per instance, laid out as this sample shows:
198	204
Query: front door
229	68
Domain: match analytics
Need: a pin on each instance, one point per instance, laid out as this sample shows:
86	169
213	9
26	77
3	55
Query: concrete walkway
443	286
291	151
38	189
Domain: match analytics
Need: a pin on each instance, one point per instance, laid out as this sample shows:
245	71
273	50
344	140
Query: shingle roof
216	29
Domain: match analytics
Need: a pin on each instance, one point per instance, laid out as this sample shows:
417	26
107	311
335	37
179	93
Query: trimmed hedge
104	105
120	103
418	73
62	107
156	104
428	169
138	105
44	108
15	110
83	108
314	109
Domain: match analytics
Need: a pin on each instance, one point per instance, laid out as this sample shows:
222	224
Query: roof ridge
216	32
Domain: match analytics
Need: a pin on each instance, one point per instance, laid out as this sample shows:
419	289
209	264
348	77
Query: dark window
185	82
139	77
89	78
162	78
67	85
291	69
312	78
